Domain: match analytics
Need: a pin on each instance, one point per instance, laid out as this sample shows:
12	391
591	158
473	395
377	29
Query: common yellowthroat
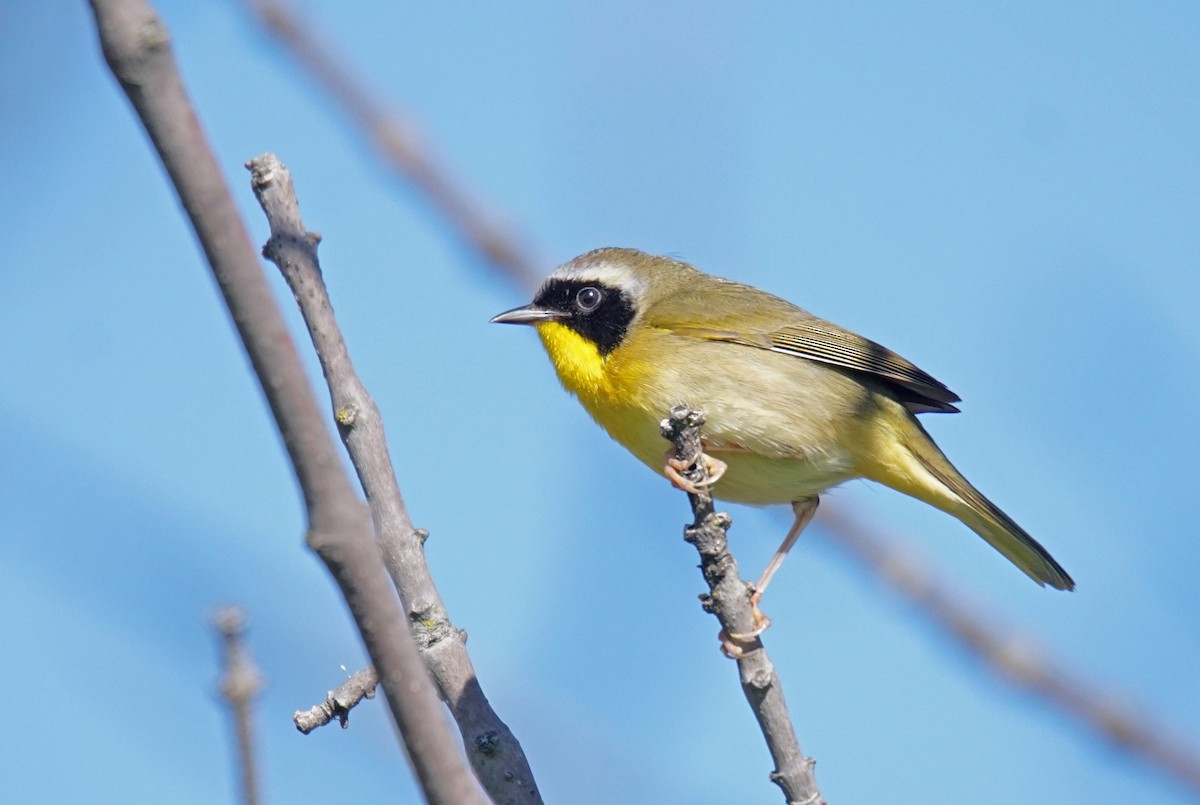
793	404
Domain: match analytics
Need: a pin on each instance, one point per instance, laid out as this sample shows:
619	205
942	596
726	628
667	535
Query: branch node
347	416
487	743
154	34
760	678
430	626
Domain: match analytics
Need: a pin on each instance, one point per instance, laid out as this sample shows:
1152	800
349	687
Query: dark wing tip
919	391
824	343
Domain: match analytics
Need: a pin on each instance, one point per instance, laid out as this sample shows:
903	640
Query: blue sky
1004	193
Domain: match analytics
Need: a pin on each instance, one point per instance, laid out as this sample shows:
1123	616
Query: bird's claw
736	645
675	468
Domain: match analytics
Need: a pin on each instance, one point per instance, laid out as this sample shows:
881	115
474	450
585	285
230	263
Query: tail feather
914	465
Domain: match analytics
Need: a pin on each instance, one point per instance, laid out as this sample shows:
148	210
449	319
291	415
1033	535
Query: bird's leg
675	468
804	509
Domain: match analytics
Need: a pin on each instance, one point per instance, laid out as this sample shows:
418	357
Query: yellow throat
579	364
608	386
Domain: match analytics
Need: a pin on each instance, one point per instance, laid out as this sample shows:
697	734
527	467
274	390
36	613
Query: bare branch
137	48
1015	657
494	752
240	685
339	702
399	143
729	602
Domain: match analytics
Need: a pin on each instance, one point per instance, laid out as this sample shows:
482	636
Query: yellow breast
627	394
611	394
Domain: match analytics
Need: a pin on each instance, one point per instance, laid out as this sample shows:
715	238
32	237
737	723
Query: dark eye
588	299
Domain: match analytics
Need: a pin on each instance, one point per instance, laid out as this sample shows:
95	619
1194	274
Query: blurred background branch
240	686
399	143
1015	657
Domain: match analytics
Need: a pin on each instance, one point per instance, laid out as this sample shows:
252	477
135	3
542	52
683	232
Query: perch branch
137	48
494	752
729	602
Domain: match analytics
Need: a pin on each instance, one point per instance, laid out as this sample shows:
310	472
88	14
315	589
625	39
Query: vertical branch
240	685
729	602
137	48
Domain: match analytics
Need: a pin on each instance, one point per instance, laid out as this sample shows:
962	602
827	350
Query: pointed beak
529	314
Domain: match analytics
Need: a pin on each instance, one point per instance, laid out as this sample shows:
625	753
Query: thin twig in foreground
137	48
240	685
729	602
494	752
1014	657
340	701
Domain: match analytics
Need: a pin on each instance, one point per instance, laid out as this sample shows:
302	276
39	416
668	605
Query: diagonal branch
729	602
137	48
399	143
1012	656
494	752
340	701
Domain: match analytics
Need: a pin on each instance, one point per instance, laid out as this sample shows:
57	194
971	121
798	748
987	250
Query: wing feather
821	341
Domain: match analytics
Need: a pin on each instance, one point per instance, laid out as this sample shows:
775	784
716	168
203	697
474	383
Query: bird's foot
736	645
675	468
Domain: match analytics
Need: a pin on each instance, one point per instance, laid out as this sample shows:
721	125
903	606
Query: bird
793	404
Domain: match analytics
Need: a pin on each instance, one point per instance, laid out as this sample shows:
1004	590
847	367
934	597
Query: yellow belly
628	396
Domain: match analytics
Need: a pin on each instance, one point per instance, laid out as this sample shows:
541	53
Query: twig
240	685
398	142
729	602
1015	657
137	48
494	752
340	701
